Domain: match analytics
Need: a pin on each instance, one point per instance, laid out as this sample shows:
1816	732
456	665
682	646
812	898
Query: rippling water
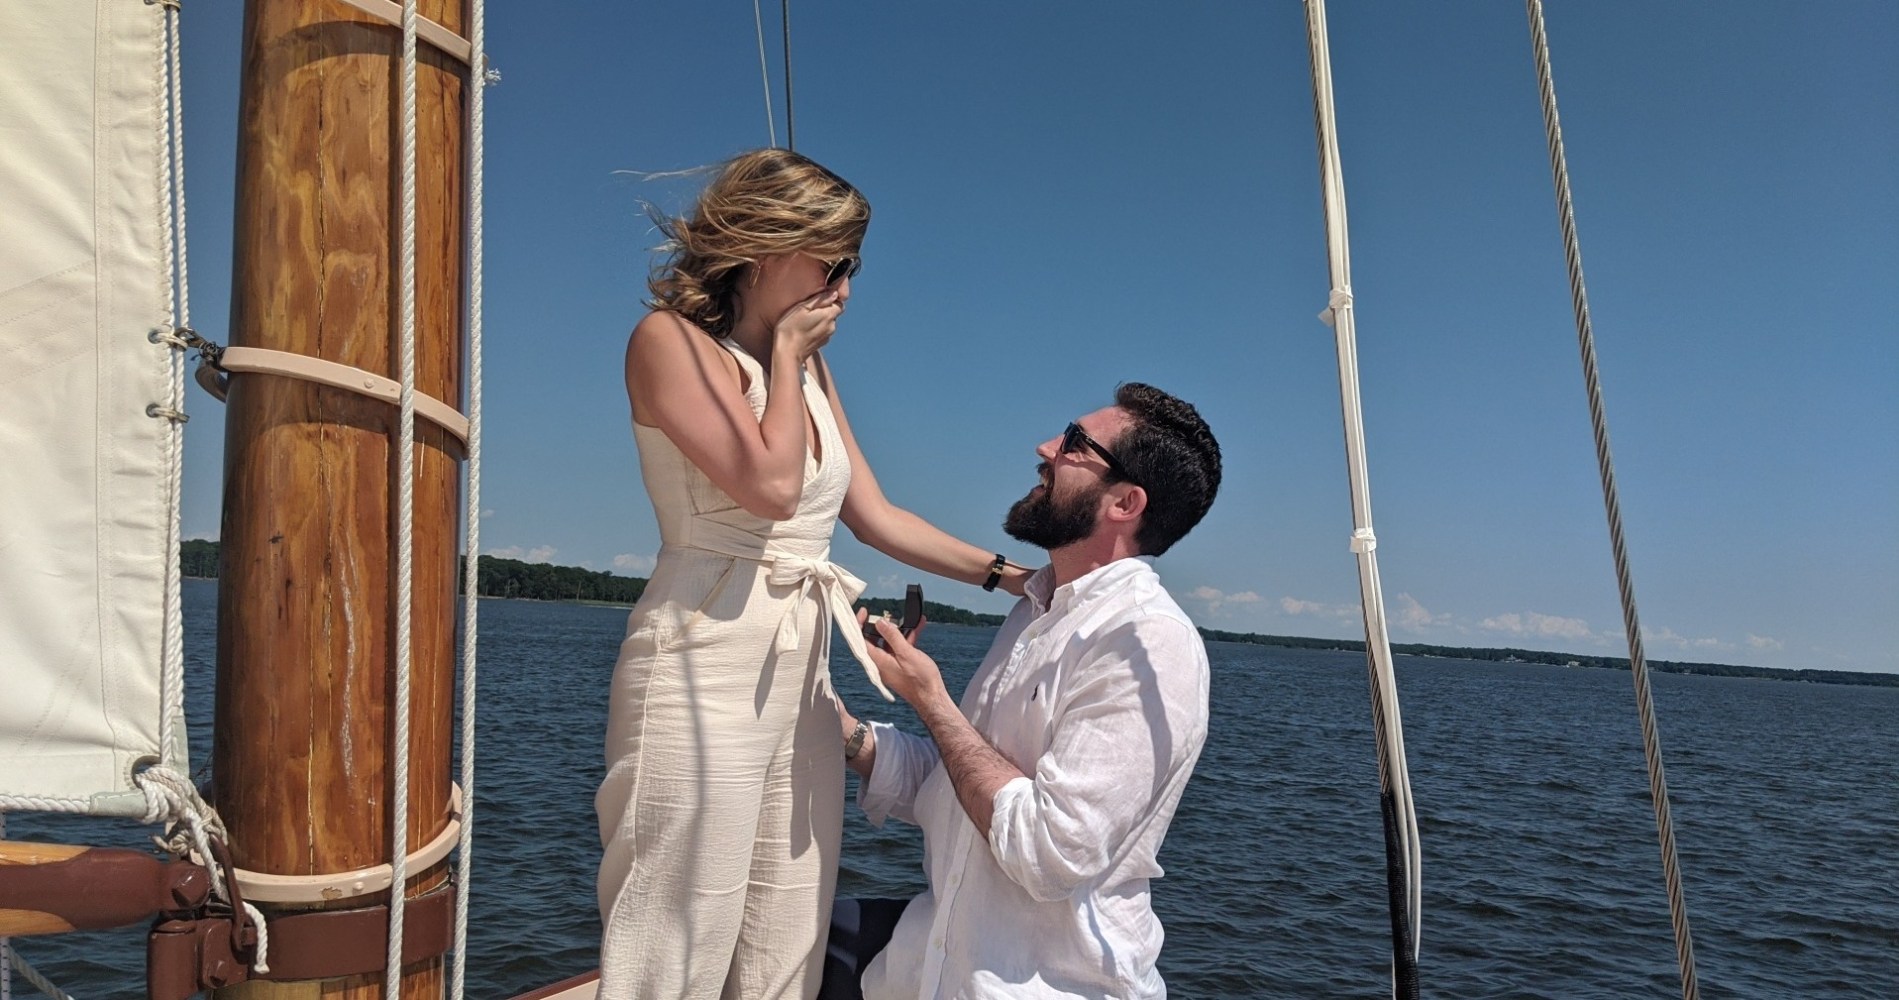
1541	873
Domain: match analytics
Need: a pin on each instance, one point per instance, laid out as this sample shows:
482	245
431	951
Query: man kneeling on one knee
1044	797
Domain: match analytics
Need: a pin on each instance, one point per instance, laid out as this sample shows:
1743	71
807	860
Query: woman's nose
843	291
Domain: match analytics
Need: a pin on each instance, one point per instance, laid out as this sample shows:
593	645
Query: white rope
764	73
1393	773
477	80
1625	584
30	975
11	962
171	749
405	521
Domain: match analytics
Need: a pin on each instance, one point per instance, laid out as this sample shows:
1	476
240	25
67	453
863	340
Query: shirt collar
1044	596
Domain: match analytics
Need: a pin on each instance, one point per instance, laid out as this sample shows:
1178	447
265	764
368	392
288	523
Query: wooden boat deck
581	987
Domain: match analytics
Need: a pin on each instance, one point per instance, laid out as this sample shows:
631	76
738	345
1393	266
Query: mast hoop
262	361
390	12
263	887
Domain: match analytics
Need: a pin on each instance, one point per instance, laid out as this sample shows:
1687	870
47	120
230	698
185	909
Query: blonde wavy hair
762	203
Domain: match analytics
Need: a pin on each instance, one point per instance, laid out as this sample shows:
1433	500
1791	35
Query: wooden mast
306	638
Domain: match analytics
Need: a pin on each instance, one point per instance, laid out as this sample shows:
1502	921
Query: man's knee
860	929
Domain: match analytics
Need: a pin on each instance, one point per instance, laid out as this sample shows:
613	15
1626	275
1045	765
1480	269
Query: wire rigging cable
1598	421
1403	855
791	134
764	73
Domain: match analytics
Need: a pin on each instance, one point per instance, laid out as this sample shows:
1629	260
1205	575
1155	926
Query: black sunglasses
841	268
1074	438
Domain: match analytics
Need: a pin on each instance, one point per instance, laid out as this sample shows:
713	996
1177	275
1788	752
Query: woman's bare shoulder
665	343
664	331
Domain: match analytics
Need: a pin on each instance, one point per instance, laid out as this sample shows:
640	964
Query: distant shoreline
512	578
1553	659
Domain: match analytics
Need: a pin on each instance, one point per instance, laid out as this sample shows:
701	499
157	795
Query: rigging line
477	82
764	73
405	517
1403	852
173	751
791	135
1638	667
169	678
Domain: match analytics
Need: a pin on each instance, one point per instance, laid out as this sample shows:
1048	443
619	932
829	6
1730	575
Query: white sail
83	473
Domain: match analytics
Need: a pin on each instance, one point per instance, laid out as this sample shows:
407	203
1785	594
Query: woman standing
722	807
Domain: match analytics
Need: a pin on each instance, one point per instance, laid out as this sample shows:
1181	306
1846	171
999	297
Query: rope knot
1341	299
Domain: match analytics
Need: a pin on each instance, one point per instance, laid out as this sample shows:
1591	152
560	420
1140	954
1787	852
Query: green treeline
198	557
1562	659
494	577
941	613
542	582
513	578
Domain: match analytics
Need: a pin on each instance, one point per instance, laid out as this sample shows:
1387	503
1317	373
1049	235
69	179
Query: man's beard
1045	524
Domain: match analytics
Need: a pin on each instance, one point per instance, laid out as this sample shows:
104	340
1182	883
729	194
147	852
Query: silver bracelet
855	745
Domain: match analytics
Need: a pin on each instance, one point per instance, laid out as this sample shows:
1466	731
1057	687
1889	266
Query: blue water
1541	873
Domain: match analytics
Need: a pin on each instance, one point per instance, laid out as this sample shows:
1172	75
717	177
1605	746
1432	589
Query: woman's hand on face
807	326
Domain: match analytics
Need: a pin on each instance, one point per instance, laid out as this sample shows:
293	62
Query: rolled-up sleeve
1118	738
901	764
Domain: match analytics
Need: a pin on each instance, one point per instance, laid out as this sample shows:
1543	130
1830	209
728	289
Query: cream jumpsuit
722	806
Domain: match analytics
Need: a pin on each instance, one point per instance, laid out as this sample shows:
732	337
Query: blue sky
1071	196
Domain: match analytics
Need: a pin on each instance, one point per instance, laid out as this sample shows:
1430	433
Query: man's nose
1047	450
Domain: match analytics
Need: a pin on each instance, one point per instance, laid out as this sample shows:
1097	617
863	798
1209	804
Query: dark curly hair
1171	453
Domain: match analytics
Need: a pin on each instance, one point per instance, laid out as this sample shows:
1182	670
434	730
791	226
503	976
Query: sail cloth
83	473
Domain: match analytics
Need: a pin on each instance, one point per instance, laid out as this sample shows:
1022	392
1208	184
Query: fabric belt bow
837	588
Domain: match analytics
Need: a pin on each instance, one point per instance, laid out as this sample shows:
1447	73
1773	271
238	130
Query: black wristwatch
995	573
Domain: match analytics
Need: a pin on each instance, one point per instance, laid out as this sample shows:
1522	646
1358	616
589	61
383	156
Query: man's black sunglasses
1074	438
841	268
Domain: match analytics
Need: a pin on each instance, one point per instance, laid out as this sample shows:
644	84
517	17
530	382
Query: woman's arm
681	382
896	532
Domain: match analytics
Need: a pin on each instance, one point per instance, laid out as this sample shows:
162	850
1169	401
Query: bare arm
679	381
976	769
897	532
866	759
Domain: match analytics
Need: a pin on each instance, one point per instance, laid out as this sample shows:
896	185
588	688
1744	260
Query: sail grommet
176	416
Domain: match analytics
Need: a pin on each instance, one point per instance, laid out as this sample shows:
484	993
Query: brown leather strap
184	957
323	944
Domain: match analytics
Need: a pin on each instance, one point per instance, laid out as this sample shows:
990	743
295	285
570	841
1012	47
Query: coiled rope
1631	624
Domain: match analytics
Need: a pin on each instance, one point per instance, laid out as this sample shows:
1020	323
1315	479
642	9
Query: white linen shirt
1097	692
